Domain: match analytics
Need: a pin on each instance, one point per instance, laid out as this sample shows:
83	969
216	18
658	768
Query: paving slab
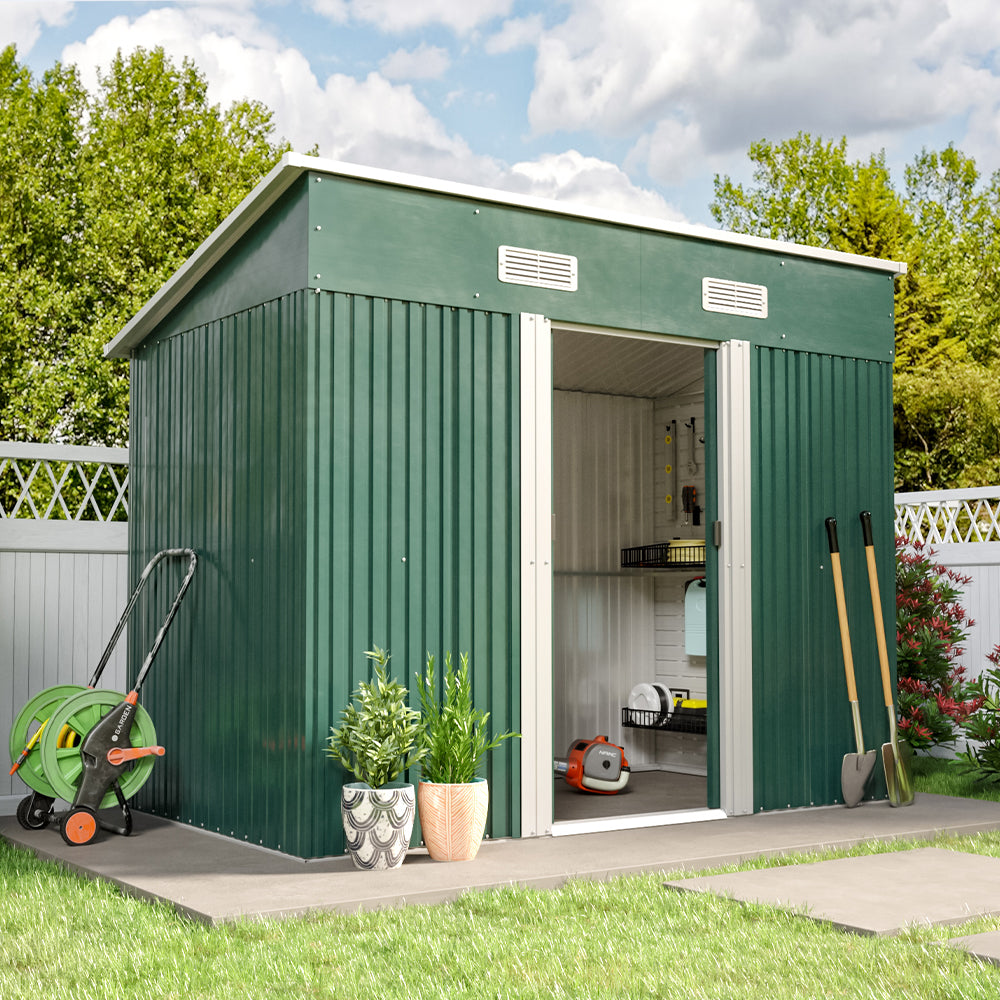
874	894
985	947
216	879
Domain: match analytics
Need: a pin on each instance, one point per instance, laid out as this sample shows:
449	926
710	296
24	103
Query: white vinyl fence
963	529
63	574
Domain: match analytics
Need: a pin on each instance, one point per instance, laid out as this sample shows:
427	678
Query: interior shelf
665	555
680	720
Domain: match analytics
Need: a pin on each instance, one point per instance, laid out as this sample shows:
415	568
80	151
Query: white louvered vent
734	297
519	266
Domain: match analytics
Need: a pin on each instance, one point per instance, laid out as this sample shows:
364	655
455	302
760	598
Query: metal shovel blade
855	773
897	775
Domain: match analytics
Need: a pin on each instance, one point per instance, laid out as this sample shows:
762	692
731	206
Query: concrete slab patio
216	879
877	894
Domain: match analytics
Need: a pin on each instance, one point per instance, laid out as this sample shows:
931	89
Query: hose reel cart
92	747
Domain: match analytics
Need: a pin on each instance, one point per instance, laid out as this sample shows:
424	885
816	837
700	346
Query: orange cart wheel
79	826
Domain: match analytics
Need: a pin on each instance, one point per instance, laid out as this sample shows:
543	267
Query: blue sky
633	105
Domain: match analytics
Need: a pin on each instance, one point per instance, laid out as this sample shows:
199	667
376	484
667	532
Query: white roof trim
293	165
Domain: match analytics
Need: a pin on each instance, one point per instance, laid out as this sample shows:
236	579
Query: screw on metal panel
404	559
318	228
476	296
477	211
318	276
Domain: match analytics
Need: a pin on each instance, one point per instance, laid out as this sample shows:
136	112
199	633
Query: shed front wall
346	468
822	447
412	519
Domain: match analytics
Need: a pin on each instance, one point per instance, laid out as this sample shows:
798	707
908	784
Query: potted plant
376	741
452	797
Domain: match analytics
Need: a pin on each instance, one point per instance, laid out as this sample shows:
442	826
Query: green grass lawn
950	777
65	936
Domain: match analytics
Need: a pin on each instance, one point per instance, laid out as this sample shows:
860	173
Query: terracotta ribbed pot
453	818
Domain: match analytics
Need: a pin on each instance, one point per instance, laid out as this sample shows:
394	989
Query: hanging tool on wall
671	467
692	462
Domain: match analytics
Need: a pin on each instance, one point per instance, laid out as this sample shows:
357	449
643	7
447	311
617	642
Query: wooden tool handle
838	589
883	652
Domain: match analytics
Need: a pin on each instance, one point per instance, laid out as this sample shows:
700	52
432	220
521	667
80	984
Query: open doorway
628	564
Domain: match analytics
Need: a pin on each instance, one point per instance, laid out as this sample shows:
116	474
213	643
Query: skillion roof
293	165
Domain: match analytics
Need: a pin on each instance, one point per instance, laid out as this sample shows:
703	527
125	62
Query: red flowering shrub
934	698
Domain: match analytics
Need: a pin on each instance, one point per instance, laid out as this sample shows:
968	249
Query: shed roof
294	165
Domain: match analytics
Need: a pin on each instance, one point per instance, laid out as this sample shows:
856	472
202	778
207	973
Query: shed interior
629	436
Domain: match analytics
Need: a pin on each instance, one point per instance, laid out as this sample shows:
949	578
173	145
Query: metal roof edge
293	165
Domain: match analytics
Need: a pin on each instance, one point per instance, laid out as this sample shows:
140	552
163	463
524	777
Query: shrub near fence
962	527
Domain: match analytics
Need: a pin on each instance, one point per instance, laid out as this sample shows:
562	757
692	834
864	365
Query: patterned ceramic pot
377	823
453	818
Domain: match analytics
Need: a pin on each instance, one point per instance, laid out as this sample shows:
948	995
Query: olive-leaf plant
454	735
378	732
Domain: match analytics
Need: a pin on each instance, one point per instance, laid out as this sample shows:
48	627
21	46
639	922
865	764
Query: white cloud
461	16
22	23
371	121
586	180
694	81
367	121
515	34
426	62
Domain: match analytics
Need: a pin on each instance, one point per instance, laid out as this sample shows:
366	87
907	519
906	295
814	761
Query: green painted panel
411	539
420	246
813	305
822	440
271	260
217	451
714	790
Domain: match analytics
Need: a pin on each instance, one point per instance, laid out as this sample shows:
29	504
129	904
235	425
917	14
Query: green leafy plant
934	698
982	729
454	736
377	738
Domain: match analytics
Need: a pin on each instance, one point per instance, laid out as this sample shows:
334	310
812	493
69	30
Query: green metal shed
391	410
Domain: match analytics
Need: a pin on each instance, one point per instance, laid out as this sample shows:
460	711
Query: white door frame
735	620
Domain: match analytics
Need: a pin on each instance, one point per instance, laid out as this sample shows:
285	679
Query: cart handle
192	556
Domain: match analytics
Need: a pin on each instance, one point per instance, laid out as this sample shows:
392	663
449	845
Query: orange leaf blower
595	766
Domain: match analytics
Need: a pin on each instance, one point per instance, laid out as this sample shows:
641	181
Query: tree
947	305
104	196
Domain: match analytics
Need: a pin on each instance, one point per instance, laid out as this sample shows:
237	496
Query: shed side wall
217	458
822	432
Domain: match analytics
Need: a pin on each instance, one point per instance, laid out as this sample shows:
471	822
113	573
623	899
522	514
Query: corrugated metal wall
347	469
413	512
218	464
822	433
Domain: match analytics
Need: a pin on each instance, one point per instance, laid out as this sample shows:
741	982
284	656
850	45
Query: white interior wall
603	619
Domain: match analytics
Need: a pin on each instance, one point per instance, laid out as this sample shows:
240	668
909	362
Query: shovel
856	770
897	770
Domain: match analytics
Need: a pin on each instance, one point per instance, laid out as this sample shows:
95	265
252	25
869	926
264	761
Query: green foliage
945	223
454	735
982	753
104	196
934	699
377	738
